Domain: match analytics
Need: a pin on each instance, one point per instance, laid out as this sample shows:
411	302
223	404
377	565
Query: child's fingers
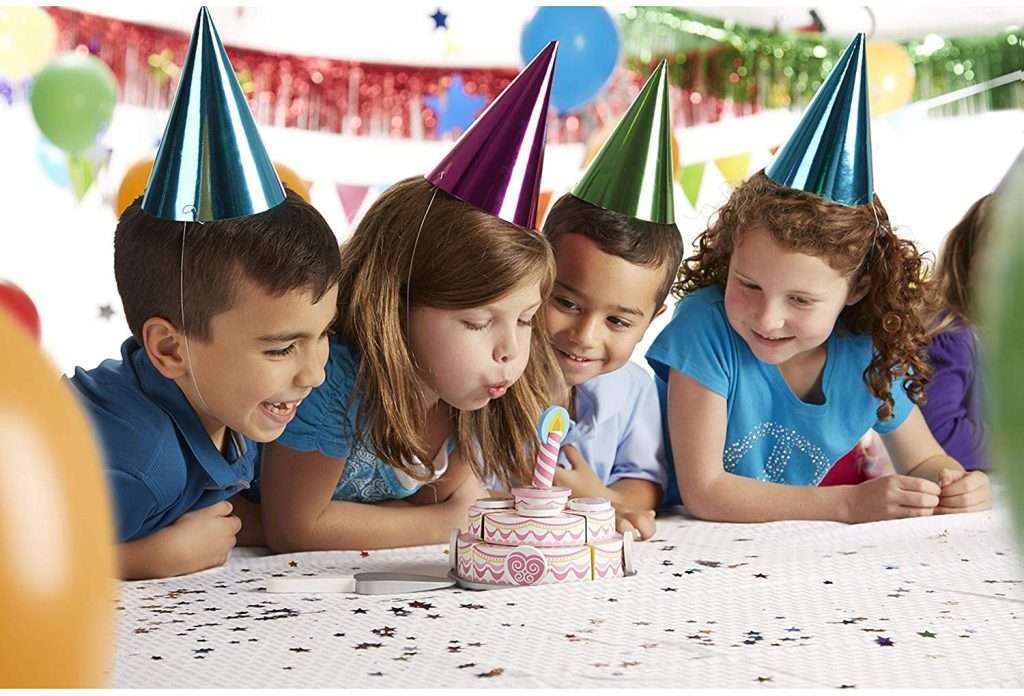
574	457
966	484
915	499
918	485
964	500
645	525
948	477
980	507
221	509
624	526
563	478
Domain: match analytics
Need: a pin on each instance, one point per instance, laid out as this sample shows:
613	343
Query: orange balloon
891	76
57	587
132	185
135	179
596	141
292	180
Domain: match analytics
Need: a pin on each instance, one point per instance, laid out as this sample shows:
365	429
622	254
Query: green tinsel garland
780	70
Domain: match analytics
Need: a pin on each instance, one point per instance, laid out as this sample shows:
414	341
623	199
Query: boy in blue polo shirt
617	250
229	317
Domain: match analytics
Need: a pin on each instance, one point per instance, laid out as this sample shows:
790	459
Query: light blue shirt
618	427
771	434
325	422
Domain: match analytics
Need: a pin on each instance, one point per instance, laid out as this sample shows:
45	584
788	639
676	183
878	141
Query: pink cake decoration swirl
526	566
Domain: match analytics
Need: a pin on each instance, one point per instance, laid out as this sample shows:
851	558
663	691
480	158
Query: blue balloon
54	163
588	50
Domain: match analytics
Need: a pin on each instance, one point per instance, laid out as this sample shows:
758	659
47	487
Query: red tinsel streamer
343	96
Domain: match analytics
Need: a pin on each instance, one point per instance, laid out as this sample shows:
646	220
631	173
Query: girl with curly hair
800	328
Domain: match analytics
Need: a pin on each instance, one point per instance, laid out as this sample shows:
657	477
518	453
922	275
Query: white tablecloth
933	602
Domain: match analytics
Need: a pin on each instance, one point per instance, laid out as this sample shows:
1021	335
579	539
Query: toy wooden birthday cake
539	535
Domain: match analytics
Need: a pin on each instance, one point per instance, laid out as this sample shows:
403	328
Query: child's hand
456	508
582	479
202	538
640	523
963	491
892	497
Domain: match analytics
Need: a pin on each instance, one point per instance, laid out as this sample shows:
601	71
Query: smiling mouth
768	339
282	408
575	358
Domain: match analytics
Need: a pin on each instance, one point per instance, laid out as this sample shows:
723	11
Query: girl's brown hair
462	258
954	286
858	242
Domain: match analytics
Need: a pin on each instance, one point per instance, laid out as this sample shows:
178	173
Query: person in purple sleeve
953	410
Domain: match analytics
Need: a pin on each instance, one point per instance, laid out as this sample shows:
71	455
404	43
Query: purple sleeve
951	411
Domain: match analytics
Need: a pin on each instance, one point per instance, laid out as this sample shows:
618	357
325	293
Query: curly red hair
857	241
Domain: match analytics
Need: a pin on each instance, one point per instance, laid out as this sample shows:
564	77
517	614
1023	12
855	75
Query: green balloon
73	99
1003	335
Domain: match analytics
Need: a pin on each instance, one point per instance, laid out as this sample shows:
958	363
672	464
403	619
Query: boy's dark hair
285	248
639	242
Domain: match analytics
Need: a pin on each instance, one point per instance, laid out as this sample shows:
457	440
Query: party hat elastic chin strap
408	277
188	209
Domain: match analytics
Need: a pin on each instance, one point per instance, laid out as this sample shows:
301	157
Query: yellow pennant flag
734	168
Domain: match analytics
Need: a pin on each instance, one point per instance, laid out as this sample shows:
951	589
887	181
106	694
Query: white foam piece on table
343	583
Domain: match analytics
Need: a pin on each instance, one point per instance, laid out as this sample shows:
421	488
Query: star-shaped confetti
496	672
106	312
367	646
456	109
882	640
385	632
440	19
926	634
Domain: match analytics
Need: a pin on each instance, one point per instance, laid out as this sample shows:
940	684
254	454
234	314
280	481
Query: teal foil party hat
829	154
211	164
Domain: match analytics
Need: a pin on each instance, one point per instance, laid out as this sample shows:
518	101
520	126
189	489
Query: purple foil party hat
496	164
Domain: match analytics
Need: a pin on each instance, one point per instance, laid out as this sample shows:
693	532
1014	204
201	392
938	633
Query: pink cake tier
534	545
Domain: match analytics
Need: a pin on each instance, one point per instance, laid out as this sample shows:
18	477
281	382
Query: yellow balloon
28	39
133	185
57	586
292	180
891	76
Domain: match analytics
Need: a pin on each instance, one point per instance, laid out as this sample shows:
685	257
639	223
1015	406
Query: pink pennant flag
351	197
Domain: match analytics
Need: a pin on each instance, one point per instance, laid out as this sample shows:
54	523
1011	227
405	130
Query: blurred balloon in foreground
57	586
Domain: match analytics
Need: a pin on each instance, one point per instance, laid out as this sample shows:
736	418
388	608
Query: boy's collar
166	394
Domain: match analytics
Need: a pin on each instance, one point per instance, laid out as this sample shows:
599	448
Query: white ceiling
487	33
